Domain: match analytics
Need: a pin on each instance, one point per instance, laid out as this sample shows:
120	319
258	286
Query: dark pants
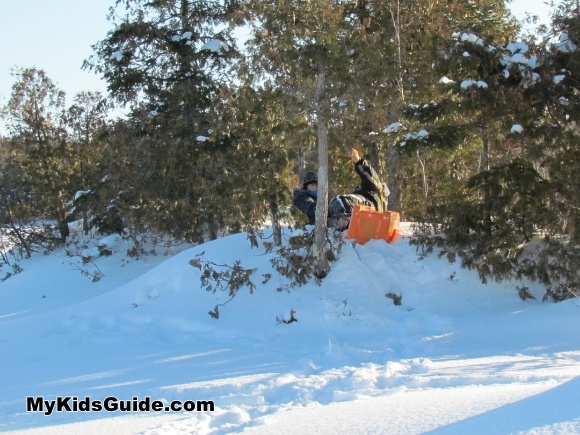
342	205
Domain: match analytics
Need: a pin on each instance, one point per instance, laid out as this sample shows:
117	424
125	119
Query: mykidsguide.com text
112	404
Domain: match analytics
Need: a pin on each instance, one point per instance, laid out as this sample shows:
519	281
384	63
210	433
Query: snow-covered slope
456	357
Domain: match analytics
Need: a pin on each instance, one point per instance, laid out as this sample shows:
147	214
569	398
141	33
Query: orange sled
368	224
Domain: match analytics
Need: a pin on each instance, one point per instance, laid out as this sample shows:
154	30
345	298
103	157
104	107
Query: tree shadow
557	405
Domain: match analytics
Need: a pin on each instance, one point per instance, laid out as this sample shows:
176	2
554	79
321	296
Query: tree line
228	103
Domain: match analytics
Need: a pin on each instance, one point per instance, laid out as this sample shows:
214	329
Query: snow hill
456	357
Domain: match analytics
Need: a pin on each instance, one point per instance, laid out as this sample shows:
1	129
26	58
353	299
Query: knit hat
310	177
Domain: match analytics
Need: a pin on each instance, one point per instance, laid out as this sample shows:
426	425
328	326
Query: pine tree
502	100
298	48
35	114
86	122
168	60
262	136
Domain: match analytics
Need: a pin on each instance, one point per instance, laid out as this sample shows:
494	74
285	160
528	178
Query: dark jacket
371	186
369	189
306	203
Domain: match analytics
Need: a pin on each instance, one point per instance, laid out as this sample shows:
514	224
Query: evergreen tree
299	48
500	98
86	123
260	172
168	60
34	115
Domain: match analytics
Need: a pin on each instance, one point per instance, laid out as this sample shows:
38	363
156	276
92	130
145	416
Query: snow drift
456	356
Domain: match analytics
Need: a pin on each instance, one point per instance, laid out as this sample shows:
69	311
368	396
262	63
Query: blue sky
53	35
56	36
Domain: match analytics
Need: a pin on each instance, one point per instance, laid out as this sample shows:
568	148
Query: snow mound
454	355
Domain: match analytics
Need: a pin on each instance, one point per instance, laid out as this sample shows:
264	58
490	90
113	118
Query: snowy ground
456	357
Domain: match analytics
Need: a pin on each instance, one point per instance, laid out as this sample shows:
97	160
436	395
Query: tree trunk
394	182
394	178
322	265
86	227
276	227
486	187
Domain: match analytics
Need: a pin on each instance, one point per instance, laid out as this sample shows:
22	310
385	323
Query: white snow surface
456	357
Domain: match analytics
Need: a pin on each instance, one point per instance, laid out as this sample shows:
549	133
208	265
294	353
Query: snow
517	128
518	50
81	193
445	80
518	47
519	58
420	135
184	35
394	127
565	45
468	83
474	39
117	55
533	62
456	357
216	46
559	78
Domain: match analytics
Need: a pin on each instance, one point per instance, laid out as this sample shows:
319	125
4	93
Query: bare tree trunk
276	227
393	156
484	151
394	166
394	178
425	182
421	159
486	187
322	265
187	116
86	227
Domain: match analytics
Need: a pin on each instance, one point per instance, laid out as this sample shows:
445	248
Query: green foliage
494	243
520	192
37	151
519	198
169	152
215	139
